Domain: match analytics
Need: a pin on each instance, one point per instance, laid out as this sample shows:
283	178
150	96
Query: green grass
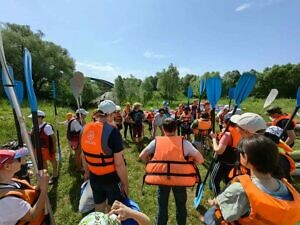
64	197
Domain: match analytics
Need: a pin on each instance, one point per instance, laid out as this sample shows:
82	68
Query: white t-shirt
158	119
47	129
75	126
188	148
12	209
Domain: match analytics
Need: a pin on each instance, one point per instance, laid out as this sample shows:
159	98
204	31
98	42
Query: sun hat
250	122
107	107
82	111
9	155
39	113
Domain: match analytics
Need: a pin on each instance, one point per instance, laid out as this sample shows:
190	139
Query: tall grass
64	196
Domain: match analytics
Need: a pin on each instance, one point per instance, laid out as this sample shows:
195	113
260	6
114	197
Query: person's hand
122	211
212	202
213	135
43	180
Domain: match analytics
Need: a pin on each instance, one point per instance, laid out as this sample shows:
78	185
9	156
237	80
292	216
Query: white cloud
242	7
184	70
106	71
149	54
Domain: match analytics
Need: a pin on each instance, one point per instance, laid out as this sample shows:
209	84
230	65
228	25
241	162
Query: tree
148	87
119	89
49	61
168	83
229	80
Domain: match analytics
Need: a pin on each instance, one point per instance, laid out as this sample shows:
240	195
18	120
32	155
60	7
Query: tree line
53	62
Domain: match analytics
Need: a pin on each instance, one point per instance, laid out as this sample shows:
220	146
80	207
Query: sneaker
53	180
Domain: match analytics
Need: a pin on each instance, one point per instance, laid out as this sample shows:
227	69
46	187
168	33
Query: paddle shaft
20	141
289	121
55	114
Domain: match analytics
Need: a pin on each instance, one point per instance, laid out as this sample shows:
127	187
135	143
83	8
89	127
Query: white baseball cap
39	113
82	111
118	108
250	122
107	107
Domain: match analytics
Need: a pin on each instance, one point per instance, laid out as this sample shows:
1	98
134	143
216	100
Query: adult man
75	126
137	116
281	119
103	160
158	122
186	119
20	203
179	156
48	145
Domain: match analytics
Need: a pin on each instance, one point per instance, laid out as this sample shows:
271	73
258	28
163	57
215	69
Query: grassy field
64	196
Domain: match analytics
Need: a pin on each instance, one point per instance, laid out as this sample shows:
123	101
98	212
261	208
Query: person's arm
291	137
147	151
53	139
123	213
218	148
121	170
38	207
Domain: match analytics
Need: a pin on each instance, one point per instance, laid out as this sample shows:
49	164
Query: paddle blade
298	97
202	86
74	88
271	97
189	92
19	90
197	200
29	82
244	87
231	93
213	90
79	78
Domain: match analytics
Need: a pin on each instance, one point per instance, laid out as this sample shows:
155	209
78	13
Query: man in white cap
103	159
75	126
48	145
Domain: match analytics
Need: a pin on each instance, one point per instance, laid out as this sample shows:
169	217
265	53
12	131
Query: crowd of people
251	157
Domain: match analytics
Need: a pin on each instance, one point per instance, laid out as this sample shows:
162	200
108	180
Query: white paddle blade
271	97
74	88
79	78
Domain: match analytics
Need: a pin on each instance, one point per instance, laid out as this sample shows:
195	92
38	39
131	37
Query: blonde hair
136	104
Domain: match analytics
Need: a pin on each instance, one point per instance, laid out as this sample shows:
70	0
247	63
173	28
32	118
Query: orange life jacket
26	192
203	127
94	144
282	117
266	209
169	166
118	117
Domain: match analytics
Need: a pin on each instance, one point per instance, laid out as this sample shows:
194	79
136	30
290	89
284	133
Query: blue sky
141	37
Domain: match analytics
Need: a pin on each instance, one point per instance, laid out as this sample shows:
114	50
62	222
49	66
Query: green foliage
119	89
49	61
168	83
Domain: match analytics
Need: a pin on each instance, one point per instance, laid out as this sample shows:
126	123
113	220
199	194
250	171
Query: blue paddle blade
197	200
202	86
189	92
231	93
213	90
244	87
298	97
29	82
19	89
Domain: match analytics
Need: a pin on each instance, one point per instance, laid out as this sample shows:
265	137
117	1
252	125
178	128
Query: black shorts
101	192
